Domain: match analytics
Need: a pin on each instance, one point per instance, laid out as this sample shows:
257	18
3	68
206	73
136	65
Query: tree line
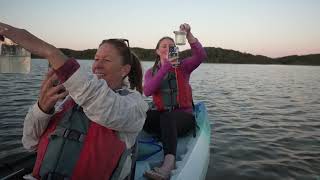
215	55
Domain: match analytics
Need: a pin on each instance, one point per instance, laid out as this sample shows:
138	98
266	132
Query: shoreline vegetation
215	55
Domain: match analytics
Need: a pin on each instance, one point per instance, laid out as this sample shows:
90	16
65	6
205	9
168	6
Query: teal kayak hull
193	153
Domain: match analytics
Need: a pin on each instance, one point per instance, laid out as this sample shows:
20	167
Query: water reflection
265	118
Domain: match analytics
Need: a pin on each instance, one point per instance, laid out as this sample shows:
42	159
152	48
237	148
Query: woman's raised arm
34	45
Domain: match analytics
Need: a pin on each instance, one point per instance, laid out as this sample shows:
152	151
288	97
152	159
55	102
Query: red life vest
90	154
174	92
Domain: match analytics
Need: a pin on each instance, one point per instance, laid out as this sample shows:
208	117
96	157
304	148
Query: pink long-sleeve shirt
153	82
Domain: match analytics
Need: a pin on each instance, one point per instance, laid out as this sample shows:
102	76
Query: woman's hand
186	27
50	92
171	60
175	62
2	31
33	44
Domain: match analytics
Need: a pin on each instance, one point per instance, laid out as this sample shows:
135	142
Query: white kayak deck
192	152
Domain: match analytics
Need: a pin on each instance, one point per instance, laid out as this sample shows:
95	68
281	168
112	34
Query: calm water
264	118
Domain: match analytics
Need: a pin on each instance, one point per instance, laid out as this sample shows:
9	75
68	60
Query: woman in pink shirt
168	83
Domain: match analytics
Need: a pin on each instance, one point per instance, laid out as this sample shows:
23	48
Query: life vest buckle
171	108
73	135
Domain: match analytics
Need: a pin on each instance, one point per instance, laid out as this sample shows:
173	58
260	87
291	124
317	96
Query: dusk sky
272	28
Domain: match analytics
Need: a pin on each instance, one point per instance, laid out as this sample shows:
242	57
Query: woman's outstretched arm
34	45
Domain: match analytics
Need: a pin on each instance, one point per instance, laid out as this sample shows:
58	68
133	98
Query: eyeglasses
125	41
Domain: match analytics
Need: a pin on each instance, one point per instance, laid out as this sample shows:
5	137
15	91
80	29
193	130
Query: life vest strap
117	171
55	176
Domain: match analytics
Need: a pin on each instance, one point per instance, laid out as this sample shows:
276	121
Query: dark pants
169	126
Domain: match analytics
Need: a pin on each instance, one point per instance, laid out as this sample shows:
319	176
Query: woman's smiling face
108	65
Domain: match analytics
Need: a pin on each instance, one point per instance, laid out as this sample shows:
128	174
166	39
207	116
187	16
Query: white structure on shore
14	58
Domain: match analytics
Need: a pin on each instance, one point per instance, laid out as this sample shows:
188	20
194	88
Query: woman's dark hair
154	67
135	74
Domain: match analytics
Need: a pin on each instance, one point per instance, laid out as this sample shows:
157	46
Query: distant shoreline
215	55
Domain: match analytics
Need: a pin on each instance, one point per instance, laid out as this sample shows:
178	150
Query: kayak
192	158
